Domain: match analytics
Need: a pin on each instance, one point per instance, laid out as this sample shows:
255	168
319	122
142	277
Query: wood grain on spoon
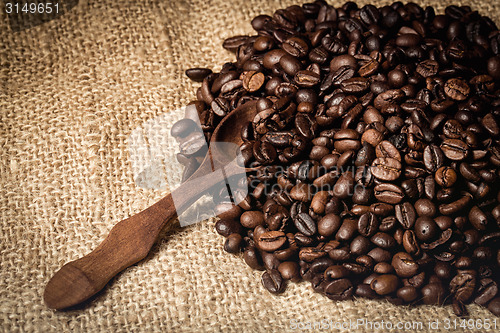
130	240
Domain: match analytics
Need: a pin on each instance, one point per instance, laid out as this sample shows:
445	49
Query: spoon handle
128	242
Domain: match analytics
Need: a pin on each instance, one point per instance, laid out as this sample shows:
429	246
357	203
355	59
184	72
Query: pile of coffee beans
378	145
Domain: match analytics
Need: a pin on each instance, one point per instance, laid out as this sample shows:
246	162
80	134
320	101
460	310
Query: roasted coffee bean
233	243
445	176
454	149
272	281
478	218
428	68
433	158
385	149
426	229
388	193
339	290
251	219
404	265
198	74
329	225
386	168
494	306
433	293
227	227
406	215
270	240
425	207
456	89
253	258
385	284
289	270
383	240
305	224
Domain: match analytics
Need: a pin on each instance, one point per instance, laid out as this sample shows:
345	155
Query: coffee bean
388	193
404	265
406	215
478	218
233	243
445	176
426	229
385	284
454	149
456	89
433	158
289	270
433	293
428	68
273	282
198	74
383	240
339	290
227	227
271	240
386	168
305	224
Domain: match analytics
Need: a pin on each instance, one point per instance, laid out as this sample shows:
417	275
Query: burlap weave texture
71	92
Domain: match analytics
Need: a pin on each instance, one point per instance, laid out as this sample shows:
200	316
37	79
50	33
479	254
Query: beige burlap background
72	91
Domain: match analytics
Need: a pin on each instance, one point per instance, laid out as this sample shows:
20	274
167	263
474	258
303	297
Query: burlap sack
72	91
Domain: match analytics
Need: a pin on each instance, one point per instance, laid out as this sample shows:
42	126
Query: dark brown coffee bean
456	89
487	290
305	224
271	240
302	192
388	193
329	225
233	243
433	293
425	207
253	258
339	290
383	240
404	265
428	68
385	149
426	229
306	79
347	230
273	282
198	74
289	270
227	227
433	158
406	215
494	306
408	294
454	149
478	218
385	284
445	176
336	272
410	243
296	47
387	169
355	85
344	186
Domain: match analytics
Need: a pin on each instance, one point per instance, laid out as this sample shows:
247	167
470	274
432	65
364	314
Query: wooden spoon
130	240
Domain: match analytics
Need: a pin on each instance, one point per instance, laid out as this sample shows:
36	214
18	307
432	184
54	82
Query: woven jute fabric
72	91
